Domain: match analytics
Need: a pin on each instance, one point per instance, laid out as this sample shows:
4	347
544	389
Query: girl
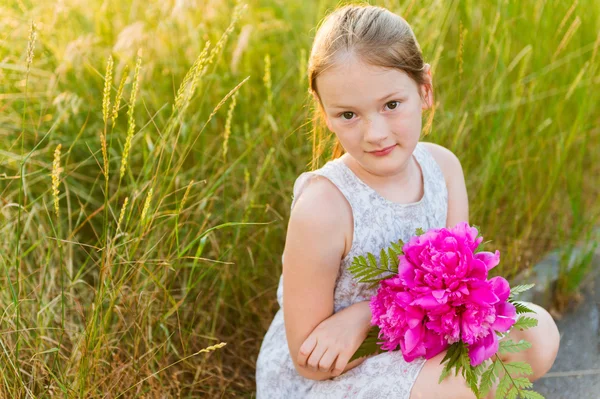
368	77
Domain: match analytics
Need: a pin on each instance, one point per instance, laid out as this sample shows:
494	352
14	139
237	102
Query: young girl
370	82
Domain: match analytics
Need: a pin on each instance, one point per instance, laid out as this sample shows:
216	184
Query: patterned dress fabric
377	222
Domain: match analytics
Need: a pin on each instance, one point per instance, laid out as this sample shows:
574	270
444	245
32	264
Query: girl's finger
328	360
315	356
306	349
340	363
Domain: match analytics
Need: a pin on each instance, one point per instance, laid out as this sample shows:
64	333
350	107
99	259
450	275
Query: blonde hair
378	37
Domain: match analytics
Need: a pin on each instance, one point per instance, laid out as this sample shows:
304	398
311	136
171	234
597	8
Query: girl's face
371	108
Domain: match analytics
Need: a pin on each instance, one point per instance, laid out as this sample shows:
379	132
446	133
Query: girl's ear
427	88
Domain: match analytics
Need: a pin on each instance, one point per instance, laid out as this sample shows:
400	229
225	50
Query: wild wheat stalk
187	87
107	86
212	348
185	196
567	37
122	214
267	80
220	104
56	177
104	153
115	111
146	206
31	45
228	125
237	13
131	124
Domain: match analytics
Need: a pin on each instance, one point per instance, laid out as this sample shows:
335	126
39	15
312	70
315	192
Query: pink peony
442	295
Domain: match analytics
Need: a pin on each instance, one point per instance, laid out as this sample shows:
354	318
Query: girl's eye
393	104
347	115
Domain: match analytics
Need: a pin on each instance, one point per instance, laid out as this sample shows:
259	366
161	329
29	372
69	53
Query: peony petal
414	316
406	271
412	338
439	294
506	316
501	287
483	349
478	269
427	302
476	354
490	260
491	345
483	295
464	289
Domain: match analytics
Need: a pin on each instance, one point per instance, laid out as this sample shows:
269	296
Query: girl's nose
375	130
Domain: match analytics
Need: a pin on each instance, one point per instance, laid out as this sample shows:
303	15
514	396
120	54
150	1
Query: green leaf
514	291
516	368
372	260
513	347
453	358
384	259
472	381
487	380
393	256
481	247
521	308
512	393
419	231
369	346
525	394
452	349
503	387
525	322
397	247
445	373
522	382
364	271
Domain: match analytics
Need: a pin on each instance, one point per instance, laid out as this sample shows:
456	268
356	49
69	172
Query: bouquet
434	295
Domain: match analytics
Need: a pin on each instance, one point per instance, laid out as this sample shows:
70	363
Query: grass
173	204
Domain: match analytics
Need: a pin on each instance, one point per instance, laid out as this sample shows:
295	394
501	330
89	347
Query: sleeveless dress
377	222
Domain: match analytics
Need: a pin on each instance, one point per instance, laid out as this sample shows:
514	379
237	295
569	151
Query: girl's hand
333	342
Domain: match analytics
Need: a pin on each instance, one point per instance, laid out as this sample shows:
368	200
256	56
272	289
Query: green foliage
488	377
515	368
369	346
368	270
519	289
520	307
510	346
525	322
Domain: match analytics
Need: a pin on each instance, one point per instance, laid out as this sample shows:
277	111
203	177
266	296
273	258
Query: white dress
377	222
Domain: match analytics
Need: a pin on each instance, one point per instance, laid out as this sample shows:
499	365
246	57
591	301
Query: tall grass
172	170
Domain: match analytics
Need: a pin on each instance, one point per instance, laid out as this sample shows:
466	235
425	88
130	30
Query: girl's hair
378	37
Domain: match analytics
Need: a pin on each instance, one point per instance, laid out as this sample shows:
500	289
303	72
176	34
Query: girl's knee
545	341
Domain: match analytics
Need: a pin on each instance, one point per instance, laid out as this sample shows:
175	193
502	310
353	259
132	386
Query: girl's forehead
349	78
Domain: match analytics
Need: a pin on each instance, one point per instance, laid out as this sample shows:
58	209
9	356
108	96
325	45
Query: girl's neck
405	177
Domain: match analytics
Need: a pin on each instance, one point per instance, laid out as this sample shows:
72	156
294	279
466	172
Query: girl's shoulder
458	200
447	161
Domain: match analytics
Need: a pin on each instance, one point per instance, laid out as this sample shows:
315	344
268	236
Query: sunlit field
148	152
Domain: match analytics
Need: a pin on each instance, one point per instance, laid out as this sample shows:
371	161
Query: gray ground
576	371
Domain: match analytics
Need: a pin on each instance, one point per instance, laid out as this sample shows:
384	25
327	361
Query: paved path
576	371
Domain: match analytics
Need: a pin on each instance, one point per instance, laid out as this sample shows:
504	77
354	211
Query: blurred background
148	151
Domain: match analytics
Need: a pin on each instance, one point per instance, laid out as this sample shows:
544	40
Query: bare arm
315	245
